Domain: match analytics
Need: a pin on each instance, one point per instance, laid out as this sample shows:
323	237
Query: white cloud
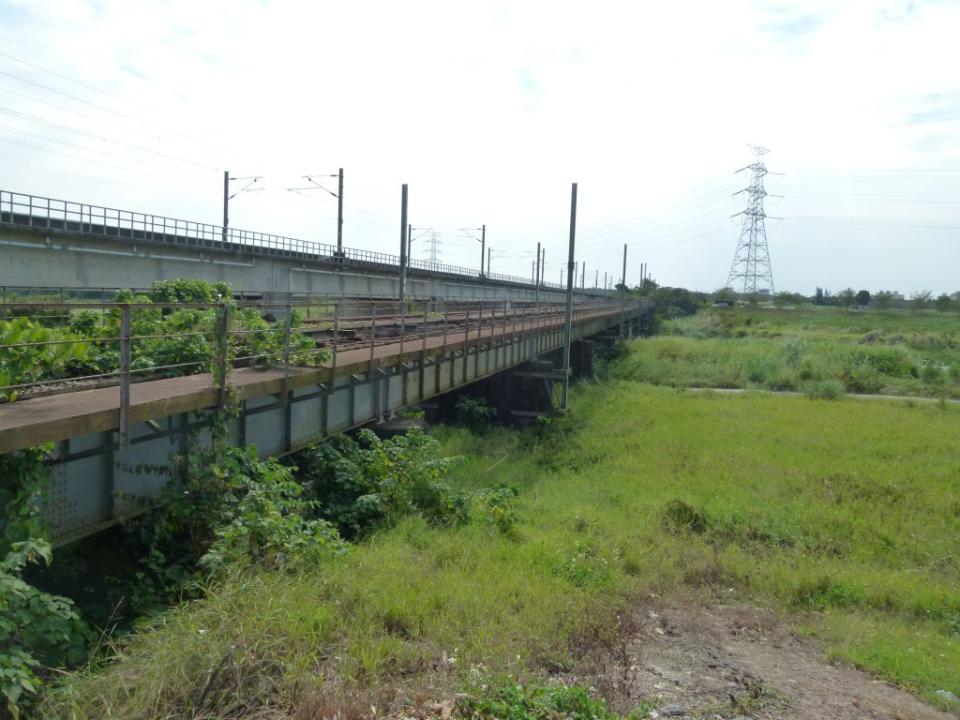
490	110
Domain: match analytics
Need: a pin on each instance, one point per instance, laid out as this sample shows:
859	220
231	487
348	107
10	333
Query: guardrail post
125	324
423	354
336	334
373	335
222	343
403	326
466	339
286	352
287	419
374	383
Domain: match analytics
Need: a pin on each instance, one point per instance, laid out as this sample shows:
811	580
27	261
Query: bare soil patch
739	662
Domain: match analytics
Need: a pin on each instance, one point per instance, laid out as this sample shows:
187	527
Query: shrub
499	505
265	520
30	363
474	412
362	484
684	516
514	702
35	627
825	390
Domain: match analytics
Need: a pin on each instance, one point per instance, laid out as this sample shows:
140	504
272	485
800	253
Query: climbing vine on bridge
37	629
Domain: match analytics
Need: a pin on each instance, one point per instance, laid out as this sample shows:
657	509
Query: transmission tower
751	271
433	246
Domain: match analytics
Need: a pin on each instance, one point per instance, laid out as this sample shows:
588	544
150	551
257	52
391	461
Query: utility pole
596	280
489	258
623	277
227	197
409	239
569	314
226	203
483	245
314	185
623	288
604	280
583	277
751	261
536	276
403	241
340	214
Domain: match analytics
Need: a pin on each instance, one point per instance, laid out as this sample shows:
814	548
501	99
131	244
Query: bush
514	702
36	628
189	290
499	504
684	516
474	413
265	520
362	484
825	390
32	363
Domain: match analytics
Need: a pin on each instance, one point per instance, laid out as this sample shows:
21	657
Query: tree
818	297
943	303
647	287
673	302
920	300
863	298
846	298
726	295
883	300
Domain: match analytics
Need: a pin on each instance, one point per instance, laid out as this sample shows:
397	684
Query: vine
37	629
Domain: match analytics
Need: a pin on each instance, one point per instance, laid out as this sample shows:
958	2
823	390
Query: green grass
819	351
842	515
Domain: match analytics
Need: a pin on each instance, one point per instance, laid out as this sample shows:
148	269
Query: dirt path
739	662
852	396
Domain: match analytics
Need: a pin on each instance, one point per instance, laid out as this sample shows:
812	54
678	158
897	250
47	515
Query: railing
46	347
34	211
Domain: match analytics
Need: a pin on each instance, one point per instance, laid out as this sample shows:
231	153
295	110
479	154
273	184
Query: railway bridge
116	441
393	333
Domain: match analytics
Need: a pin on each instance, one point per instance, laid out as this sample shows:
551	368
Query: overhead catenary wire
103	108
133	170
102	138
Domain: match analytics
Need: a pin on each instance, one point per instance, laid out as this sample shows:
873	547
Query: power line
854	221
135	171
139	148
76	82
104	108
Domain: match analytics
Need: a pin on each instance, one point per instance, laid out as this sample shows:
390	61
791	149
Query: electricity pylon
751	271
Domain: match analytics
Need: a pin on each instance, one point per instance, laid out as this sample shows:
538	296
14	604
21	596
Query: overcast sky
489	110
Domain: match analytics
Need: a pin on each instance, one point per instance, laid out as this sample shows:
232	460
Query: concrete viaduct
60	244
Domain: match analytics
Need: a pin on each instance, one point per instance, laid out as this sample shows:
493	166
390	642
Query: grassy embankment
844	515
822	351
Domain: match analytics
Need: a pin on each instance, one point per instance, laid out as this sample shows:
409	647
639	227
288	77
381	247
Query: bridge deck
34	421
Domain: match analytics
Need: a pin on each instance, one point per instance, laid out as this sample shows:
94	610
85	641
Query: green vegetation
820	351
843	515
35	627
535	702
167	342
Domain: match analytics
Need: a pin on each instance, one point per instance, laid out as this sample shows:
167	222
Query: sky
490	110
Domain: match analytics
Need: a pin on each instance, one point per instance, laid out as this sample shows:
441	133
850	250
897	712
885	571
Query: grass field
843	516
816	350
